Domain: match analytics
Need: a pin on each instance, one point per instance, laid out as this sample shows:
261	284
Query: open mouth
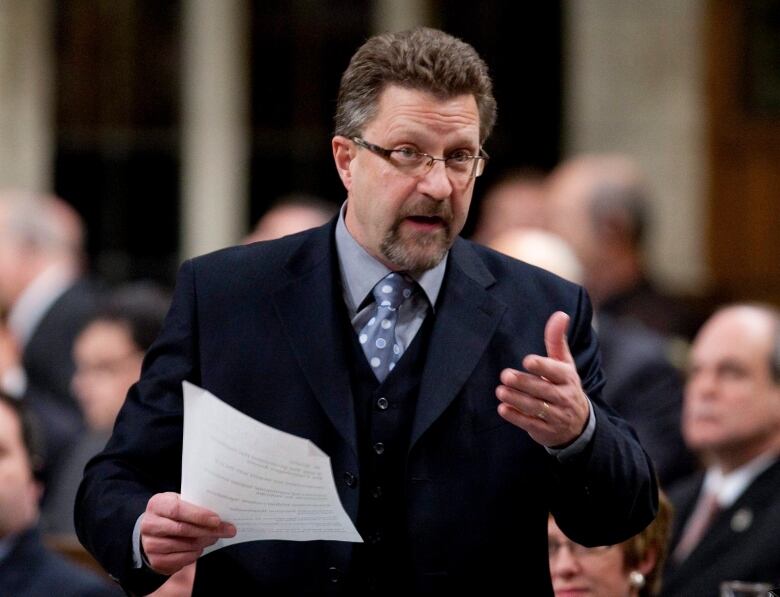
427	221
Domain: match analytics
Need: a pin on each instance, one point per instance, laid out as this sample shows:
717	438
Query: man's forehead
736	333
403	105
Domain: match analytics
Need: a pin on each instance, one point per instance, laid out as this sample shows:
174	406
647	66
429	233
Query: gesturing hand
547	401
174	532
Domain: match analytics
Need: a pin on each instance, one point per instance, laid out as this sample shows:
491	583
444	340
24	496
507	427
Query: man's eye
460	156
407	153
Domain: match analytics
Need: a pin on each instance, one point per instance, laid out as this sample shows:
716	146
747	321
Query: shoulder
505	269
265	263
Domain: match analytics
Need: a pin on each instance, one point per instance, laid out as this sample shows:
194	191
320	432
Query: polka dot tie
377	338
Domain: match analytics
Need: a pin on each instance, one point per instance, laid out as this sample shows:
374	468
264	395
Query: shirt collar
729	486
360	271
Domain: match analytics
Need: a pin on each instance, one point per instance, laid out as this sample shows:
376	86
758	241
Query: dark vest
384	414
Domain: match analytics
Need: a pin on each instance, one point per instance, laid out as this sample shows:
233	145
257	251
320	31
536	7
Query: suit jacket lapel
311	315
466	319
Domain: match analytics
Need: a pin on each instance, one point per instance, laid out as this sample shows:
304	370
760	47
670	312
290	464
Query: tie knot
393	289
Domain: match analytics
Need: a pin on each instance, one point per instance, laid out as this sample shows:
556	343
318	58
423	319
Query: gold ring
542	414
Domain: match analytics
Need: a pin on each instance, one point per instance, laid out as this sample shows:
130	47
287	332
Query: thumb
555	337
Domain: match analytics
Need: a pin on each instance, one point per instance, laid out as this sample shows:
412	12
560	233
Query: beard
420	250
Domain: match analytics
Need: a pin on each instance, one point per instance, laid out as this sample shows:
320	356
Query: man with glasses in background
456	391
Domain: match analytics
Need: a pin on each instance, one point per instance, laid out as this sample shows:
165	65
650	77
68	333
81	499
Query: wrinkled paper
268	483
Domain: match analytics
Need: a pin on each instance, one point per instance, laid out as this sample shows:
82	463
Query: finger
527	405
550	370
170	505
520	419
541	380
555	337
158	526
165	545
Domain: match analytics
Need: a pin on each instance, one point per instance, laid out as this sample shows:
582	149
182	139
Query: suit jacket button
350	479
334	574
379	448
382	403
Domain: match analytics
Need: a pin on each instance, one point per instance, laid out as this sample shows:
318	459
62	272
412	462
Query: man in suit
449	488
46	300
27	568
728	518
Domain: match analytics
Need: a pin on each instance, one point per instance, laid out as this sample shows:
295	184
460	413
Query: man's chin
416	256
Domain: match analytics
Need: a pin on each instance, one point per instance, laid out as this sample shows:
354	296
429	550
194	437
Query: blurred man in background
291	214
46	300
516	200
27	568
729	517
599	205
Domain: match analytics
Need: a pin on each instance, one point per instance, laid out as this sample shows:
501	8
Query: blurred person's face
732	405
12	263
579	572
19	492
409	222
286	219
107	363
512	204
569	215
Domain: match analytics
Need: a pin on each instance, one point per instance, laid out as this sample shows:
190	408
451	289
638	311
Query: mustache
428	208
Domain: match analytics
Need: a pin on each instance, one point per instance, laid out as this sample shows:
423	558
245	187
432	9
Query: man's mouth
426	221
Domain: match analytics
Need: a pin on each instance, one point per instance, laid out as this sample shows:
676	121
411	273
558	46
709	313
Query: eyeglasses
461	165
575	549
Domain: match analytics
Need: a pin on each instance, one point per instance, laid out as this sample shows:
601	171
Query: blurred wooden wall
743	53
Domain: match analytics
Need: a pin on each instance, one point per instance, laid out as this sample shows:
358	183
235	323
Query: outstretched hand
547	400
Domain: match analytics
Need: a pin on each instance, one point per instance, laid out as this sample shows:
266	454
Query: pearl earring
636	579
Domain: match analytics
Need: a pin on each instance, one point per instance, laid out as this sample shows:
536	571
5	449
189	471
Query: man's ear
343	154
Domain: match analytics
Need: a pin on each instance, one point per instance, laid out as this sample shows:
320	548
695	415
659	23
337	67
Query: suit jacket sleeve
613	478
143	456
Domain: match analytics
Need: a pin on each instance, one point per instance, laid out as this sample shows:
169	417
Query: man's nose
436	183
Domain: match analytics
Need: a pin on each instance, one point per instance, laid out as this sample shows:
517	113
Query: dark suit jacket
741	543
48	362
30	570
646	389
257	326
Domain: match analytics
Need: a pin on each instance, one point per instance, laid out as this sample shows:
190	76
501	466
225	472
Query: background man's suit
258	327
740	544
30	570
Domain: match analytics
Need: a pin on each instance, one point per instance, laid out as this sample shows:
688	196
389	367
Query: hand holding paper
268	483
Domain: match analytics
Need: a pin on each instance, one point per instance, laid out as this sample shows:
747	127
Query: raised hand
547	400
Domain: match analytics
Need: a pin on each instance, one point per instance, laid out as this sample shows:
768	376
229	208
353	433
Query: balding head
732	398
36	231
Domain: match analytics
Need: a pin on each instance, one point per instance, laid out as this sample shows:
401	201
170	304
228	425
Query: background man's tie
377	338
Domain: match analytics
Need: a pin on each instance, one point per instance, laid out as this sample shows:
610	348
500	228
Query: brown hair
655	538
424	59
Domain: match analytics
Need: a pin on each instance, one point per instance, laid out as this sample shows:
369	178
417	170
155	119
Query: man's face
409	222
732	405
107	363
18	489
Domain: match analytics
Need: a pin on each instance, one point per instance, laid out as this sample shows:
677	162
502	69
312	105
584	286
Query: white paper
268	483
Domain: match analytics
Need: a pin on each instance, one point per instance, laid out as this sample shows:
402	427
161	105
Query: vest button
350	479
376	492
334	574
379	448
382	403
